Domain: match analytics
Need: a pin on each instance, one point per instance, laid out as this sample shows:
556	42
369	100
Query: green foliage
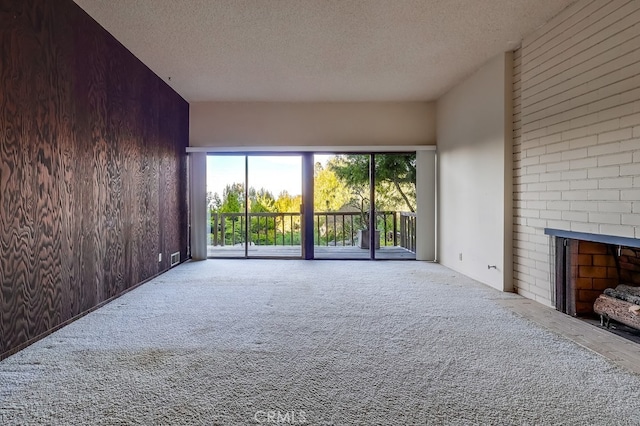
395	178
232	198
330	193
342	183
286	203
213	201
227	216
261	201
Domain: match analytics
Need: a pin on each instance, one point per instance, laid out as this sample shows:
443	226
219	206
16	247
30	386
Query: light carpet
242	342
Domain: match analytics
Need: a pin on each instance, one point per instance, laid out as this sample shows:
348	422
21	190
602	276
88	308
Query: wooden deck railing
330	228
408	231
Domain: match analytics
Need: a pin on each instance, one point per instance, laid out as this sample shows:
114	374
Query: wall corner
508	173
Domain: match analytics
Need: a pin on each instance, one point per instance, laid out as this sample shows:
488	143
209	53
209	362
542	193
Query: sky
274	173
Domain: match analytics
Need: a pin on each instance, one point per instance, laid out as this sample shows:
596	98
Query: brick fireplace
586	265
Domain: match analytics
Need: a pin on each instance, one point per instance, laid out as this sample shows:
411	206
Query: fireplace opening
599	282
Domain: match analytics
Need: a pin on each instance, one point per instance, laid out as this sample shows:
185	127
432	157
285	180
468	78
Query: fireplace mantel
596	238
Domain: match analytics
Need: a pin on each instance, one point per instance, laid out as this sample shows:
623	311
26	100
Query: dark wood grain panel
92	168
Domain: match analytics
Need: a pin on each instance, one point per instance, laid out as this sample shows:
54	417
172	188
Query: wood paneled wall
92	168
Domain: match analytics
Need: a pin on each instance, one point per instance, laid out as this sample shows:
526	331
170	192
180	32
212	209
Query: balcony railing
330	228
408	231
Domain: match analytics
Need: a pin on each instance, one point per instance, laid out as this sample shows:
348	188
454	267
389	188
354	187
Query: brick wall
577	153
595	267
630	266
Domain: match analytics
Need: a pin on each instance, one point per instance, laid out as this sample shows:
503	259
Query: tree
395	175
286	203
233	198
261	201
330	193
213	201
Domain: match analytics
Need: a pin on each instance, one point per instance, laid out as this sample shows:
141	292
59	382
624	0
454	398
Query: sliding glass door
395	205
274	199
254	206
226	203
341	206
350	189
364	206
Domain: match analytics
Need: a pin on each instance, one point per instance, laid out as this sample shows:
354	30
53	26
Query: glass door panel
395	202
273	209
341	206
226	196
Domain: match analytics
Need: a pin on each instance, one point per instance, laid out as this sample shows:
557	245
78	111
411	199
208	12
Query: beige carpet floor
248	342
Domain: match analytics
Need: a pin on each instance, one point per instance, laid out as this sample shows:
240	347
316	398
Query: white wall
308	124
577	161
474	174
425	205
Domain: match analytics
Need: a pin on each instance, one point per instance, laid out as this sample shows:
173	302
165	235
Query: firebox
590	268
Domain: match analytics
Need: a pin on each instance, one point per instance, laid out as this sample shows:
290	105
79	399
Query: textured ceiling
318	50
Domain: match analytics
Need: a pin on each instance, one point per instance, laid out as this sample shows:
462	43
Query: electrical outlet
460	256
159	257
